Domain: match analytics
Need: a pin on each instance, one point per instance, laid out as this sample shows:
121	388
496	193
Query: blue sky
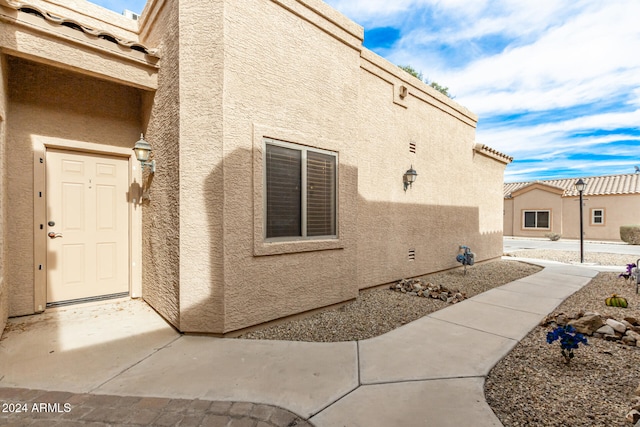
556	84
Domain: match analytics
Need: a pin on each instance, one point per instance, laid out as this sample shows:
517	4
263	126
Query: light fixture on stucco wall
143	149
409	177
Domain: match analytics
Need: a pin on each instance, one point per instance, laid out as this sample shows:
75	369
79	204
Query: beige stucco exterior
4	284
217	79
617	209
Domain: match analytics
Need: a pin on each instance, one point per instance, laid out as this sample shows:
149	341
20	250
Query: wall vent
412	147
412	254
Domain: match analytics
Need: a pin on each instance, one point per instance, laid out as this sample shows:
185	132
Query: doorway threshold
86	300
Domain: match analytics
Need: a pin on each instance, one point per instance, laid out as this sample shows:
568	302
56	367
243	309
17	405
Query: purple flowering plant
569	340
629	273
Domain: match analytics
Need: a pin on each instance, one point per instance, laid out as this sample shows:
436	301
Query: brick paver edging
27	407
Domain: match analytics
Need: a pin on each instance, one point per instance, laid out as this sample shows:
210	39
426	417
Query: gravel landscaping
574	257
381	310
532	386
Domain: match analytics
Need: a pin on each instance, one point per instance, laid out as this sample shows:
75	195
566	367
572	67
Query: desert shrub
553	236
630	234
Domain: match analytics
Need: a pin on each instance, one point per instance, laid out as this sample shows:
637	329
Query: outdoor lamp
580	186
143	149
409	177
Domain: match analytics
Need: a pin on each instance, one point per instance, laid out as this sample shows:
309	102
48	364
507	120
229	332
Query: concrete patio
429	372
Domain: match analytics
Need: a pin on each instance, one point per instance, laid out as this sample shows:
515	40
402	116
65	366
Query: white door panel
88	252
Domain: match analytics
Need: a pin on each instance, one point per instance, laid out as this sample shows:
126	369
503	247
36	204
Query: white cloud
547	56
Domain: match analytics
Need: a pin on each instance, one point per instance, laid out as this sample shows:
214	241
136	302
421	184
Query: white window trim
593	216
524	226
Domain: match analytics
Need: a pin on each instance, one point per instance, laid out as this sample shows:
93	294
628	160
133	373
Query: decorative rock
627	324
637	393
633	416
634	335
628	340
617	326
587	324
606	330
418	287
632	320
561	319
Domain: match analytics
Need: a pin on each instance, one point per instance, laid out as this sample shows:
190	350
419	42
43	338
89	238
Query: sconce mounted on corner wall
143	149
409	177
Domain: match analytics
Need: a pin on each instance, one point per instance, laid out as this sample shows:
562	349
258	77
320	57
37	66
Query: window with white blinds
300	191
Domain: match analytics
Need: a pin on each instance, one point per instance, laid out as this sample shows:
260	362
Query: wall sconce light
409	177
143	150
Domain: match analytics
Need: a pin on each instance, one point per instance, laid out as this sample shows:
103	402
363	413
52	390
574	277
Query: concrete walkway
430	372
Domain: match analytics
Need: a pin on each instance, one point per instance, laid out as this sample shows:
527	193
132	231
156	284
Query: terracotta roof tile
596	185
70	23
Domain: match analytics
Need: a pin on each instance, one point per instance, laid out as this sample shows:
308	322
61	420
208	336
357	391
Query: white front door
87	225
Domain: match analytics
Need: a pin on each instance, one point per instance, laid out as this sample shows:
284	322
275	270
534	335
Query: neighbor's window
300	191
536	219
597	216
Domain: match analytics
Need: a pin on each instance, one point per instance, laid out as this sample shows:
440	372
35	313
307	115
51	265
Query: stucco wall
4	293
37	39
486	191
202	191
286	78
508	224
231	74
619	210
446	206
538	199
161	214
44	101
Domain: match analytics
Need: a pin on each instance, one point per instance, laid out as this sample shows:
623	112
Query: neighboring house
280	146
536	208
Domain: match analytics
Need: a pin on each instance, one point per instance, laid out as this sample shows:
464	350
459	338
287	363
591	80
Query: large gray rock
617	326
634	335
627	324
587	324
606	330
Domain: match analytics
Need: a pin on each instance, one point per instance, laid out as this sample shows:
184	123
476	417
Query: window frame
593	217
304	149
536	211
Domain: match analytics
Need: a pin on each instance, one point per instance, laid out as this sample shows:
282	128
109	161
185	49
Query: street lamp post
580	186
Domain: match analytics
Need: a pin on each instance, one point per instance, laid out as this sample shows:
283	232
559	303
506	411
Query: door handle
54	235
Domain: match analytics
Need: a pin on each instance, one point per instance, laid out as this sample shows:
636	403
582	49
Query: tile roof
596	185
490	152
70	23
